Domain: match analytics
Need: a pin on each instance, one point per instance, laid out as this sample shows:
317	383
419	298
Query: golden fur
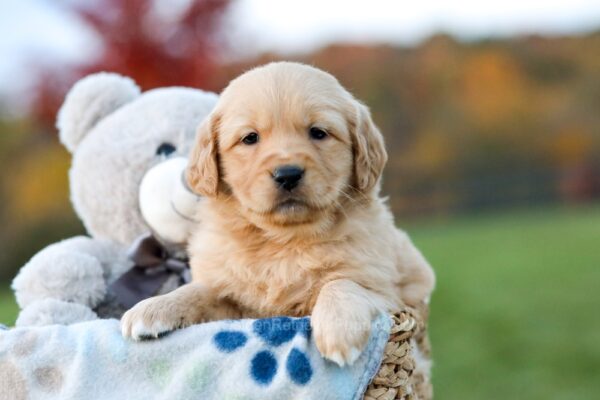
328	249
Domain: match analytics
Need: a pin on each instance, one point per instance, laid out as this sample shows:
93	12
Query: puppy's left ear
369	150
202	173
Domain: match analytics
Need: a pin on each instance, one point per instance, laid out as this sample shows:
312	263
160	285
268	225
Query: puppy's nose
288	176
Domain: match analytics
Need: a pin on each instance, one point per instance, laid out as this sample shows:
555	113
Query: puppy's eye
165	149
317	133
250	139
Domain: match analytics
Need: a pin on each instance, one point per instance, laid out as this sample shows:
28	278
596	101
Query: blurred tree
493	88
157	42
34	206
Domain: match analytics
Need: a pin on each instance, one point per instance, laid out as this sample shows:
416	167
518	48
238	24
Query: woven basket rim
396	378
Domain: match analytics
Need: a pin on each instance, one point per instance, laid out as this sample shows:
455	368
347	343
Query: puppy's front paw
152	318
341	334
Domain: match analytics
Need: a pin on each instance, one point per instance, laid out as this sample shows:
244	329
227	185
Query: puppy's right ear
369	151
202	173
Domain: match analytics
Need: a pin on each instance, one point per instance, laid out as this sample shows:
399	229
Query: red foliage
155	48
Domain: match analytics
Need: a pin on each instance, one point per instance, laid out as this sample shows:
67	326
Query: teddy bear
128	152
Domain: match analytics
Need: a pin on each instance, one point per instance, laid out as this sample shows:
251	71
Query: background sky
40	30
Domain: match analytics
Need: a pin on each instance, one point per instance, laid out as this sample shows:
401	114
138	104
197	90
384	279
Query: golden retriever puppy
290	164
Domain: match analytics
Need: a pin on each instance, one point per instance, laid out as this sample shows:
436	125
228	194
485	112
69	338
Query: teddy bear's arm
74	274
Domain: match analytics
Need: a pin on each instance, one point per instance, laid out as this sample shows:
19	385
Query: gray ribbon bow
154	264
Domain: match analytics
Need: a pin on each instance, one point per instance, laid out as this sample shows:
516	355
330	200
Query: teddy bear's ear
90	100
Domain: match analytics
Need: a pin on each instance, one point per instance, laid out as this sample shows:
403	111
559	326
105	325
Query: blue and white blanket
226	360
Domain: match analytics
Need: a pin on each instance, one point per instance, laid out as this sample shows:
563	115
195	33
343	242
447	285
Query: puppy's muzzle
287	177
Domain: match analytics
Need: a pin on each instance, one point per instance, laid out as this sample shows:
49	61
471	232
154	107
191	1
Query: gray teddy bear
125	144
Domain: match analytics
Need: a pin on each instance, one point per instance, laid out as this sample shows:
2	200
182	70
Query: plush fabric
244	359
116	134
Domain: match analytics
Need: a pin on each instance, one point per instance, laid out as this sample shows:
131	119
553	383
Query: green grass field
8	307
515	312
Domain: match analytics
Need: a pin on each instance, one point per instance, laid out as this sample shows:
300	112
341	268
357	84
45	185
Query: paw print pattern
298	367
273	332
263	367
230	341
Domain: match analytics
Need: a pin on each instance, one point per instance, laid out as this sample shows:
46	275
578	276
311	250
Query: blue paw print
273	332
298	367
263	367
229	341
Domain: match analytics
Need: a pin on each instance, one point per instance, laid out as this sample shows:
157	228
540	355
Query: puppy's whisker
339	206
347	196
341	209
357	193
350	198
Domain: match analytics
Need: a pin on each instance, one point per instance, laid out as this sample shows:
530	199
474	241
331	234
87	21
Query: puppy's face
289	144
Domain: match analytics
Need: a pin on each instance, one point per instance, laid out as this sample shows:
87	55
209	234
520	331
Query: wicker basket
399	376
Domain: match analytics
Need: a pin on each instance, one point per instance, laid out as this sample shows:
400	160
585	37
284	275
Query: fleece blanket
237	360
